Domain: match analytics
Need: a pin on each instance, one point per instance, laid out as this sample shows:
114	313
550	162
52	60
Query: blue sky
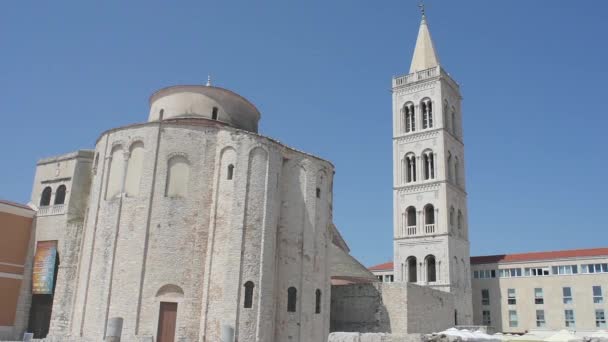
532	74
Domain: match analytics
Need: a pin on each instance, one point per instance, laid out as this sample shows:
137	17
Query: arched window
60	194
429	214
449	168
178	174
134	168
318	301
451	218
410	168
409	117
456	173
248	302
411	216
429	165
45	198
116	174
429	219
426	106
292	295
214	113
460	221
230	172
412	271
431	274
453	121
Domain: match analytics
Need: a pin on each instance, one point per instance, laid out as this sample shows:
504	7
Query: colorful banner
44	267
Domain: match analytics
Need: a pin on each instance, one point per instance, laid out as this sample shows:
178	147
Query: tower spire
425	56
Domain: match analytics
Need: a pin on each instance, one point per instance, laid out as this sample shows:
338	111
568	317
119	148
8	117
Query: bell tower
431	240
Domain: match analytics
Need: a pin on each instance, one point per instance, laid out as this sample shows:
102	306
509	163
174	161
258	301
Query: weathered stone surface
398	308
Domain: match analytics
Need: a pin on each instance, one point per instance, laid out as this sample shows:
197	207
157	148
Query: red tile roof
573	253
491	259
387	266
14	204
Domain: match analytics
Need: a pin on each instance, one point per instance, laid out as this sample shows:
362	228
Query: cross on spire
421	6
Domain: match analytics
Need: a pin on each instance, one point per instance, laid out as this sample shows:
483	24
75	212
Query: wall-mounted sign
44	267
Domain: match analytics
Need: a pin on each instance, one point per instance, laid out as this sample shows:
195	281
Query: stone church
186	224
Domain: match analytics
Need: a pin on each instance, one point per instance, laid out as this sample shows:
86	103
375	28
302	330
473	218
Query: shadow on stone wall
358	308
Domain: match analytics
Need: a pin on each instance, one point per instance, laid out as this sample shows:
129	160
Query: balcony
429	228
57	209
423	75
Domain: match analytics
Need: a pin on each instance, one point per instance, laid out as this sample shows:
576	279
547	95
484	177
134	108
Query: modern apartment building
541	291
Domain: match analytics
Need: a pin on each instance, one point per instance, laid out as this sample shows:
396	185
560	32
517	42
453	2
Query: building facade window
485	297
429	218
412	271
536	271
248	302
45	198
214	113
538	296
456	171
410	168
540	318
597	295
484	274
431	275
410	214
511	297
564	269
451	218
60	195
409	117
569	318
428	160
318	301
600	318
449	168
292	296
230	172
509	272
594	268
427	113
567	294
486	319
513	318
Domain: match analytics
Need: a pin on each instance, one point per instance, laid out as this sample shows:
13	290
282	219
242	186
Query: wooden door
166	322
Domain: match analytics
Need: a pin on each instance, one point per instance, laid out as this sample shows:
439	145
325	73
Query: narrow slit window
214	113
318	301
292	295
248	303
230	172
318	193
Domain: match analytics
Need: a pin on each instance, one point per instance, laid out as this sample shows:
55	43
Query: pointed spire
424	52
208	81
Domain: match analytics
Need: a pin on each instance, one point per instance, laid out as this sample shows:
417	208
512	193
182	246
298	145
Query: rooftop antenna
208	81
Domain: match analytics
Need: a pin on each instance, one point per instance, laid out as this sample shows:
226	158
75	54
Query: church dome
200	101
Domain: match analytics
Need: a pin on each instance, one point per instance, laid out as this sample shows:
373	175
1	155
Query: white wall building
541	291
431	245
187	223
